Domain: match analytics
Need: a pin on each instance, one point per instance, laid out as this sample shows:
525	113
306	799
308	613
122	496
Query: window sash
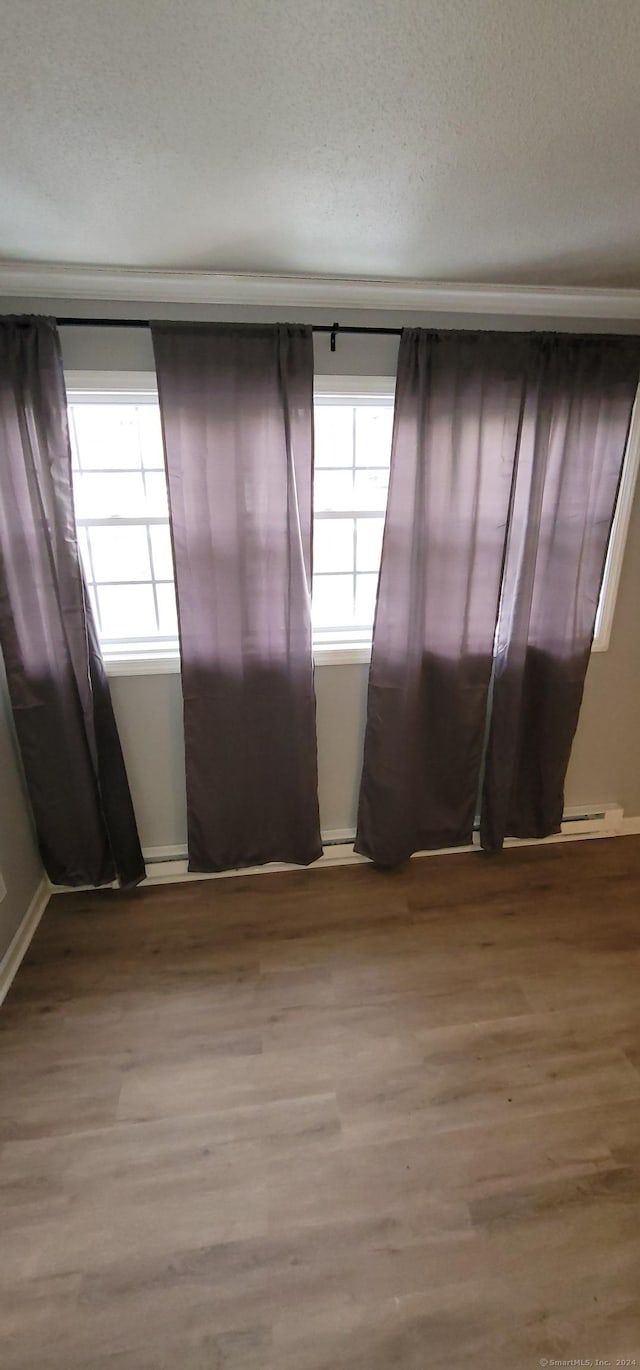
140	388
113	389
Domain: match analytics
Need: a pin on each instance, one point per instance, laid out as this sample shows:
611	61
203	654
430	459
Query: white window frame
106	385
349	649
619	534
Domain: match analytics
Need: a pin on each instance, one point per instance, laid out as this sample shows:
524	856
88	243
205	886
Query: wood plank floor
334	1120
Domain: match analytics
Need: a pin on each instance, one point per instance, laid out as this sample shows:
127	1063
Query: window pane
366	587
370	490
127	611
157	503
150	436
109	496
369	544
332	601
75	460
119	475
120	553
341	490
107	435
373	434
333	545
83	546
167	610
94	605
161	548
128	435
333	490
333	424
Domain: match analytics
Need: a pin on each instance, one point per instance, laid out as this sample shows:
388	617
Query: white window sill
141	665
169	664
342	654
345	654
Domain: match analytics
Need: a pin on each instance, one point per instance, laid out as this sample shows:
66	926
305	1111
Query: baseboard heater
606	820
170	863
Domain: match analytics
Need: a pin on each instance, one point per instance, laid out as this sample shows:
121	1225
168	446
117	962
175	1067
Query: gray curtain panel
57	685
506	458
576	416
457	413
237	416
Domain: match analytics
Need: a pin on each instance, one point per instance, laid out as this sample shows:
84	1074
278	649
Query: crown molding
27	280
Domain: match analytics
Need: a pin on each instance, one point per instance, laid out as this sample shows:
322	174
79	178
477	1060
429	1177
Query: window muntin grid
123	519
352	455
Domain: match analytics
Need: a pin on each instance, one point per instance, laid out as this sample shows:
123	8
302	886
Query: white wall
149	714
19	858
605	764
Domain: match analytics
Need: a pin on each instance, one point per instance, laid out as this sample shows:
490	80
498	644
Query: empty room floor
329	1120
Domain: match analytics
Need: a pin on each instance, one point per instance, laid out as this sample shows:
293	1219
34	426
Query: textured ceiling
475	140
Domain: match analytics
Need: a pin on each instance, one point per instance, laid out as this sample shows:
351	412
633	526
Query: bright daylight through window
123	521
120	496
352	454
122	515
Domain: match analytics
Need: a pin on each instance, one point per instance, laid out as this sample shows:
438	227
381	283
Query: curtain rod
332	328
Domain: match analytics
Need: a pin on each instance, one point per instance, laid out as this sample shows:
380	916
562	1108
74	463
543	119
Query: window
120	495
619	531
352	455
122	515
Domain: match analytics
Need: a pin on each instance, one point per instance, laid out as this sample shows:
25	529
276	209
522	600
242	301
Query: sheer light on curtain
59	693
575	422
506	456
237	415
457	414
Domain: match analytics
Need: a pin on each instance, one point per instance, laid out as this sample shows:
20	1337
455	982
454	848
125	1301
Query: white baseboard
163	870
22	937
168	865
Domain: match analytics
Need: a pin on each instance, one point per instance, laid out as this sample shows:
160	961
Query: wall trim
359	654
330	837
78	282
608	597
22	937
168	865
174	870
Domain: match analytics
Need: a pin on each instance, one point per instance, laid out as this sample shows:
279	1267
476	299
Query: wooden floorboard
329	1120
